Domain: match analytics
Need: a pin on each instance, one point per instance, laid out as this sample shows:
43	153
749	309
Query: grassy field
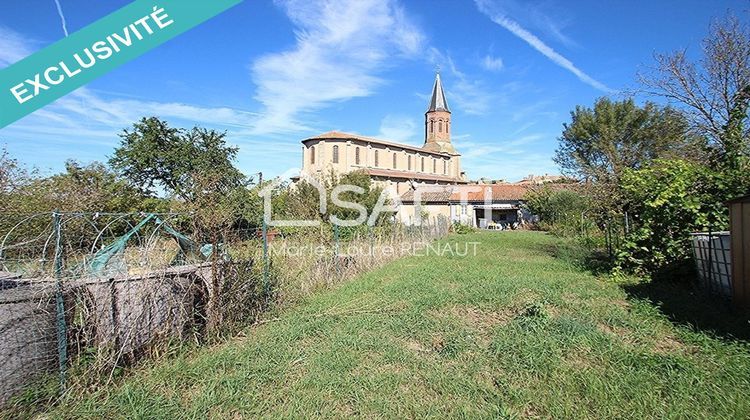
512	331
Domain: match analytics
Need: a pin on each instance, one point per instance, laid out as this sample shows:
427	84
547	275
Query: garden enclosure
83	294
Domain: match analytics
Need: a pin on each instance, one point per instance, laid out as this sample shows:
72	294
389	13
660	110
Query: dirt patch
481	319
669	344
623	334
417	347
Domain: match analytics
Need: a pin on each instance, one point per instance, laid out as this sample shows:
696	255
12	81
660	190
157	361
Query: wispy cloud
13	47
341	48
62	17
491	63
468	93
488	8
398	128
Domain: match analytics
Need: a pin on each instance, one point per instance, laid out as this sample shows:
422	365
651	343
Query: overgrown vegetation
650	174
477	336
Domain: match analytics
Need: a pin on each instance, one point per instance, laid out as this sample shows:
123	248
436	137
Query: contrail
62	17
539	45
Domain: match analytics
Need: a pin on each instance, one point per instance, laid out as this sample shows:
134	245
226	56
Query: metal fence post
62	339
266	282
336	258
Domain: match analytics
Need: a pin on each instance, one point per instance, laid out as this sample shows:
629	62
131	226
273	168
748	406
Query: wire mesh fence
83	294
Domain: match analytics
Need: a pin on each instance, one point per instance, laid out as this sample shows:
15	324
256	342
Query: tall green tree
154	155
601	142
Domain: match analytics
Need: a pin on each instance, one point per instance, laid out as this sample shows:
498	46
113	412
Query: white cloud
491	63
398	128
489	9
13	47
341	47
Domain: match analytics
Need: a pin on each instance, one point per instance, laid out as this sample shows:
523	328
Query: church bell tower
437	124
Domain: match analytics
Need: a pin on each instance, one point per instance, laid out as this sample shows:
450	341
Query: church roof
338	135
438	102
419	176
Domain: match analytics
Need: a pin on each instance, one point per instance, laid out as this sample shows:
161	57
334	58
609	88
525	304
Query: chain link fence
84	294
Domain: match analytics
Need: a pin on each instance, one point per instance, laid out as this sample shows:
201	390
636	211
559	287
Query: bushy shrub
668	200
462	229
560	211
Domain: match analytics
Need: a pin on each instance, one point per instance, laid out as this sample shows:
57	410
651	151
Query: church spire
437	122
438	102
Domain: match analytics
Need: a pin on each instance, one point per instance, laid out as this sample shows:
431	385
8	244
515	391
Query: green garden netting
111	259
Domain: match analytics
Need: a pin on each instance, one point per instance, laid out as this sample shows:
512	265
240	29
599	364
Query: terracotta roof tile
476	192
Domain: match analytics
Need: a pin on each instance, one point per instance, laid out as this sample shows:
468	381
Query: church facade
397	167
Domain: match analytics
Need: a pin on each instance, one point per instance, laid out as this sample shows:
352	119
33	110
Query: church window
432	126
409	162
394	160
434	165
335	154
312	155
445	167
356	156
422	163
440	127
447	126
376	158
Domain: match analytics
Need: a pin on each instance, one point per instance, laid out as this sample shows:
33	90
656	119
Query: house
478	205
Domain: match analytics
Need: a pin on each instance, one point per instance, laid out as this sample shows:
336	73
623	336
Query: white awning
497	206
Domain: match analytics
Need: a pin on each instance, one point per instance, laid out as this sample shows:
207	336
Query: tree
710	91
153	154
13	177
599	143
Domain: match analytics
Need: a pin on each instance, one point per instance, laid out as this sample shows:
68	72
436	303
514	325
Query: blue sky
273	73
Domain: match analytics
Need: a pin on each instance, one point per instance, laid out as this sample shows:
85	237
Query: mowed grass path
512	331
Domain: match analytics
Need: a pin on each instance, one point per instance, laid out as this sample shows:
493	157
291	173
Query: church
401	168
397	167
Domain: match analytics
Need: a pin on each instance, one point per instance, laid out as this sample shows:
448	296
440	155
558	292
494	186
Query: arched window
445	167
394	160
422	163
376	158
432	126
356	156
440	127
336	154
447	126
312	155
409	162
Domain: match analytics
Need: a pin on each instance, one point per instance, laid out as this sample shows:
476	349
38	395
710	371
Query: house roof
471	193
438	102
348	136
499	192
